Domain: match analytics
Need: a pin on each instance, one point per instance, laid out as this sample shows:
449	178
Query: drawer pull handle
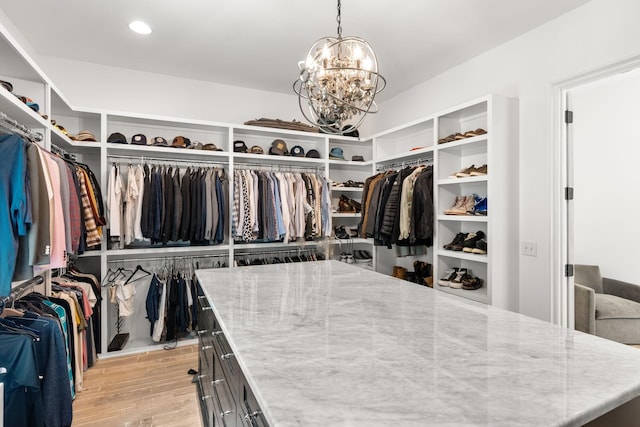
224	413
252	415
206	347
207	308
206	397
203	331
226	356
216	333
201	376
217	382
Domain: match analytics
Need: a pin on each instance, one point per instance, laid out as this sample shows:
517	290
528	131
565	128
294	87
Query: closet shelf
347	189
479	295
457	181
467	146
17	110
346	215
463	255
340	242
266	159
349	164
170	153
408	156
238	246
73	147
168	251
464	218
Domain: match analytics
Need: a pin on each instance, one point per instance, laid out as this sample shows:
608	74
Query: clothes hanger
138	268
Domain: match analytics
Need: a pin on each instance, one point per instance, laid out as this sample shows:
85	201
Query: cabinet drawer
206	403
224	406
250	413
227	360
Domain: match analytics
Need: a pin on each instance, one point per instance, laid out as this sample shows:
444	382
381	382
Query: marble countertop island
330	344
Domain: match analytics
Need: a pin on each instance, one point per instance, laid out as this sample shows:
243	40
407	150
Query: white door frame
562	310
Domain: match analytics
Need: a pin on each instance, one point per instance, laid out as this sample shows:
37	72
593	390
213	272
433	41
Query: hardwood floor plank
142	390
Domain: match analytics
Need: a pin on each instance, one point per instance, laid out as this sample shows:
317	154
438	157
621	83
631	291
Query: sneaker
465	173
343	257
469	205
460	245
448	276
456	240
350	259
470	242
458	207
456	282
481	247
480	207
472	283
482	170
360	257
341	233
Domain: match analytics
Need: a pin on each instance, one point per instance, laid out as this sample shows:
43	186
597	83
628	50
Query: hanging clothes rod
64	153
20	290
400	165
272	167
164	258
25	131
149	159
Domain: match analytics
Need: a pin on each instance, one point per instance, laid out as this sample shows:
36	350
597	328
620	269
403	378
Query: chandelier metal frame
338	82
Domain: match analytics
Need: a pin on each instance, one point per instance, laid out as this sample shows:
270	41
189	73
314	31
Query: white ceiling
258	43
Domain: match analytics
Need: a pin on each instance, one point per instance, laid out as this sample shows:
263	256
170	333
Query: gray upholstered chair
606	307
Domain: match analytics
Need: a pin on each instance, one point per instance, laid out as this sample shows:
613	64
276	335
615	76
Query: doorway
598	158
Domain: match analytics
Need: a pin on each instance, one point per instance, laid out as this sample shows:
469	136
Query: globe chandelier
338	82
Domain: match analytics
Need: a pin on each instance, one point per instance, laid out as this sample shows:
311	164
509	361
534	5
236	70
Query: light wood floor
142	390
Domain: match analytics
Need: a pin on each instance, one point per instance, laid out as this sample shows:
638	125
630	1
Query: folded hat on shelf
181	142
211	147
278	148
256	149
7	85
85	135
117	138
240	147
297	151
336	154
313	154
159	141
139	139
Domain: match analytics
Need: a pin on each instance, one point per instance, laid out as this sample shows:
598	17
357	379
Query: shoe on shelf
361	257
353	232
480	206
465	173
459	238
350	259
460	245
471	283
341	233
344	205
482	170
343	257
470	242
458	208
481	247
469	205
456	282
448	276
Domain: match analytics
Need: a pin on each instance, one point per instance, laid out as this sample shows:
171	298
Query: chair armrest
585	309
621	289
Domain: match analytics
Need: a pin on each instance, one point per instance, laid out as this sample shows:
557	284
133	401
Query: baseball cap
357	158
314	154
159	141
350	130
256	149
297	151
278	148
117	138
336	154
239	147
7	85
211	147
139	139
195	145
181	142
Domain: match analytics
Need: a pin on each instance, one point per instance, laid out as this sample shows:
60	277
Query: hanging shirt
131	197
114	201
14	205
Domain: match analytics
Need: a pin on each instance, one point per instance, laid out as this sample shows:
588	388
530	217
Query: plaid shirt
93	236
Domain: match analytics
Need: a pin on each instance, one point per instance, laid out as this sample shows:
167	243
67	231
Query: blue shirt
14	205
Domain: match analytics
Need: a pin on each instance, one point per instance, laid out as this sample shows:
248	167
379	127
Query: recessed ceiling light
140	27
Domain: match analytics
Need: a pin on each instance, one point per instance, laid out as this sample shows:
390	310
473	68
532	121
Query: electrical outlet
529	248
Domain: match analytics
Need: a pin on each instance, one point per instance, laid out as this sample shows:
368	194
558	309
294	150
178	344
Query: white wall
606	175
102	87
596	34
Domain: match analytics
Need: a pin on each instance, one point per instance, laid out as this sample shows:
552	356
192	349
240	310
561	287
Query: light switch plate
529	248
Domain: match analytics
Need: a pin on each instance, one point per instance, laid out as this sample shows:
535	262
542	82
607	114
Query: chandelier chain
339	19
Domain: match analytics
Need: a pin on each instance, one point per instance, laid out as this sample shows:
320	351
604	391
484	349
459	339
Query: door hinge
568	193
568	116
568	270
